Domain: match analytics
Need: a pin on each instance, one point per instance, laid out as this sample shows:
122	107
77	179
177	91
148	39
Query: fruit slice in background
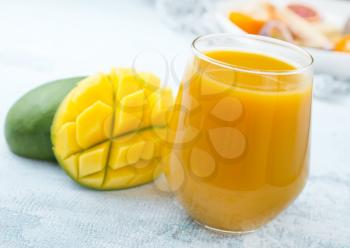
307	12
246	22
343	45
108	131
28	122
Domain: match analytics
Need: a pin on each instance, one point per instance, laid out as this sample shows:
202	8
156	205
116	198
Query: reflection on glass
240	132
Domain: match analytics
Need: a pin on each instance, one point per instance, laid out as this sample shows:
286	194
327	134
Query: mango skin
28	122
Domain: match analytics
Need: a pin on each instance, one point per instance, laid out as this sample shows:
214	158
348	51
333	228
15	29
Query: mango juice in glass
240	131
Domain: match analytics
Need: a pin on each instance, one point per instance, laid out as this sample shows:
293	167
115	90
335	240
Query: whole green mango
28	122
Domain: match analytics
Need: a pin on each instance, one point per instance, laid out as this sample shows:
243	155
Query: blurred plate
335	63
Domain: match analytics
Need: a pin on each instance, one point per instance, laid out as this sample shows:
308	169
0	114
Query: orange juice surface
240	139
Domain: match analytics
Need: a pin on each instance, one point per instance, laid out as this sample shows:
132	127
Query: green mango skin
28	122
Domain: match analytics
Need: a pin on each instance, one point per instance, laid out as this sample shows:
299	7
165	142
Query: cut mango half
109	130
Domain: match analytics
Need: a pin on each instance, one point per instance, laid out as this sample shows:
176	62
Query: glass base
224	231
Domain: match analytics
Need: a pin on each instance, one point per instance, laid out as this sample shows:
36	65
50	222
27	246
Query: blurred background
54	39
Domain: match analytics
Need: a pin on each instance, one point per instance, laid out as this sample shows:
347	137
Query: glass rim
270	40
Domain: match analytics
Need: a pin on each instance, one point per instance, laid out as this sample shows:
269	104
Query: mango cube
108	132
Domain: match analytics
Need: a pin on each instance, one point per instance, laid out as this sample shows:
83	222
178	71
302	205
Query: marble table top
41	207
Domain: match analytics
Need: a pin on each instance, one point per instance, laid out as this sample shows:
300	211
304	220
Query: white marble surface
41	207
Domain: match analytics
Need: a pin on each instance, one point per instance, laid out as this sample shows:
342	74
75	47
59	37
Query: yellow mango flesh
108	132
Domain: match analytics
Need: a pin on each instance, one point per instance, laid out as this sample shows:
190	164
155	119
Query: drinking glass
239	152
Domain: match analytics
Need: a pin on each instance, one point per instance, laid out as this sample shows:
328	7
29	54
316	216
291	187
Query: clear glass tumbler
240	130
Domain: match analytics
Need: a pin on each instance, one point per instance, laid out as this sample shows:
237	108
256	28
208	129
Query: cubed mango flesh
108	131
